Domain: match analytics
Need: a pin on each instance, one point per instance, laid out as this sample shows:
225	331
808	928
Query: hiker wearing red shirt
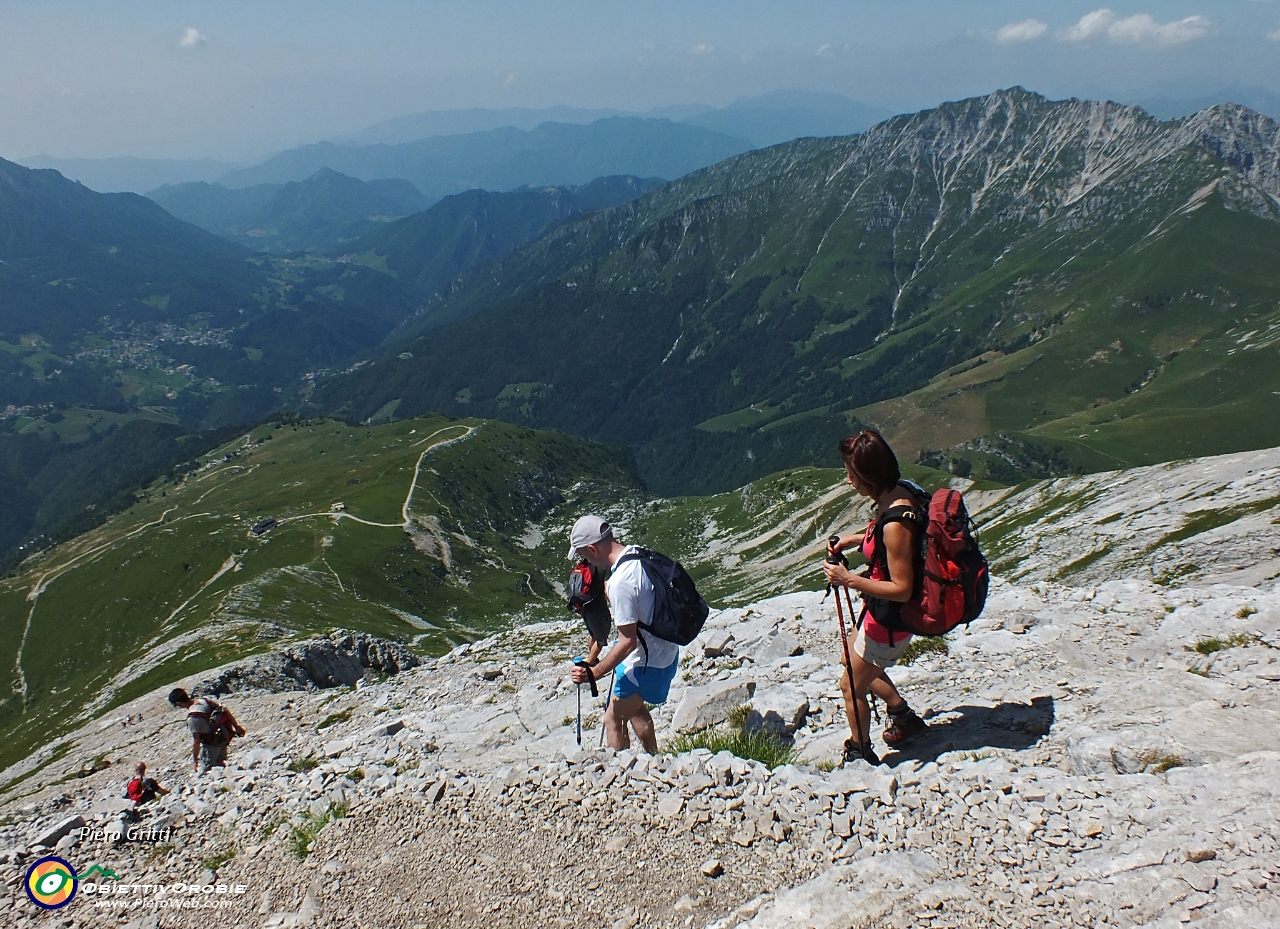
142	789
890	546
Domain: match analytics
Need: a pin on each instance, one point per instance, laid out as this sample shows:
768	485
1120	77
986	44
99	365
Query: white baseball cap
588	530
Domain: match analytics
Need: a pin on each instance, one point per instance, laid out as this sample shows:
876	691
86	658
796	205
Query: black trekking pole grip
591	677
837	558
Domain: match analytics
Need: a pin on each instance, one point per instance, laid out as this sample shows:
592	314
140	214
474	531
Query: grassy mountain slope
429	249
112	310
103	296
448	529
320	214
556	154
1146	364
755	303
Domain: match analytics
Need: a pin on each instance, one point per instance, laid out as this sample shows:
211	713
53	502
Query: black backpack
679	611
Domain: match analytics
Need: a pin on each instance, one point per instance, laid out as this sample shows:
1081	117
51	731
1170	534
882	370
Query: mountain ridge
319	214
502	159
431	248
870	264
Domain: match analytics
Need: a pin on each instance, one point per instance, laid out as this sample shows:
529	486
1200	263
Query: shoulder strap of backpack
638	554
915	519
909	516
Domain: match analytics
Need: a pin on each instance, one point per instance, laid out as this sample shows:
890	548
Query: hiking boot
855	750
903	728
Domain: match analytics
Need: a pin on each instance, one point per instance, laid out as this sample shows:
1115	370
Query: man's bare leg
630	710
642	723
615	722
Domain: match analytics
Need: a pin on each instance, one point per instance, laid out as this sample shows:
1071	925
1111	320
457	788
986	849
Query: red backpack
952	574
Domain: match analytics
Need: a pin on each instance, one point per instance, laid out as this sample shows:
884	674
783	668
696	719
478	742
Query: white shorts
877	653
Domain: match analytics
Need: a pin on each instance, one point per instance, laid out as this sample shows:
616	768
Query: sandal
856	750
904	728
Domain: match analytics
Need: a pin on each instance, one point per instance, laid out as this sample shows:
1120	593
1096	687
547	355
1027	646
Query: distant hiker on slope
657	609
142	789
212	728
889	544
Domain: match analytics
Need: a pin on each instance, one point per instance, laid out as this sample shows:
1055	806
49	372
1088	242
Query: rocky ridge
1075	774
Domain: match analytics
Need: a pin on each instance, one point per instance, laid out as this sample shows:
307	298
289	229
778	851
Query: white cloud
824	49
703	49
1274	35
1139	29
1024	31
191	37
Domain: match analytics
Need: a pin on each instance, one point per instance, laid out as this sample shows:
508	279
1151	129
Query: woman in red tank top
872	470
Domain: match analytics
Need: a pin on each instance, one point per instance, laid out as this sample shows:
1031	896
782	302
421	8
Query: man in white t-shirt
642	664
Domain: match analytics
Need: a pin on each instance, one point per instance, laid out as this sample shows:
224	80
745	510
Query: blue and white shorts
653	684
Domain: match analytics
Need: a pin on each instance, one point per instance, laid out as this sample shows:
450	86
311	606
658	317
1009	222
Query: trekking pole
844	639
581	662
871	698
607	694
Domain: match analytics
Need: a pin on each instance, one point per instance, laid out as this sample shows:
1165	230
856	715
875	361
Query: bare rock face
339	659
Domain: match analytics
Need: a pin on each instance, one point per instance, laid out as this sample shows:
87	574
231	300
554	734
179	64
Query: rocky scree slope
1076	772
830	274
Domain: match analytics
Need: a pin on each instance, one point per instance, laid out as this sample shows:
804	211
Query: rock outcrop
336	660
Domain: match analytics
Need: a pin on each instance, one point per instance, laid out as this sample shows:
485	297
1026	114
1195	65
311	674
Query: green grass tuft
732	737
306	763
333	719
1158	762
220	858
1209	646
922	645
738	716
269	828
304	833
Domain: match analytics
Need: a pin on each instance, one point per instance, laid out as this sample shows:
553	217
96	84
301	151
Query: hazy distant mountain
320	214
552	154
429	249
765	120
417	126
791	114
1167	106
129	174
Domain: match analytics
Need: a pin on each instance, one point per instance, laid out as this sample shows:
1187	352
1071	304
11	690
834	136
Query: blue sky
236	80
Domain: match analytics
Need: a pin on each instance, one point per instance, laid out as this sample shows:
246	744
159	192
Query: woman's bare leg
867	677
